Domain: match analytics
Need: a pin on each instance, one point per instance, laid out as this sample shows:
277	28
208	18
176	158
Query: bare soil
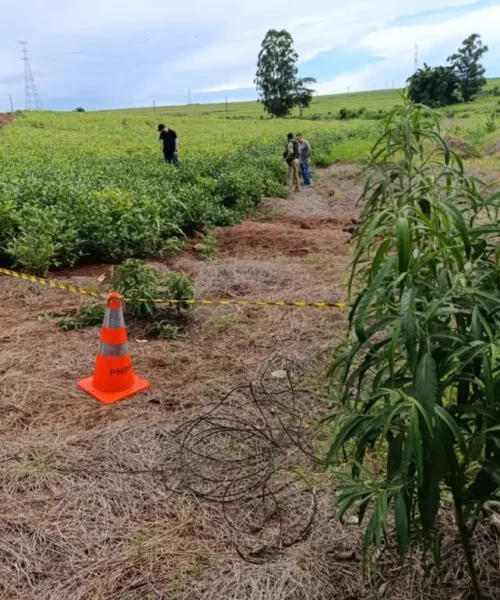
6	118
493	148
111	502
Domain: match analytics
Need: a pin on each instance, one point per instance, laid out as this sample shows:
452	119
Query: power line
31	97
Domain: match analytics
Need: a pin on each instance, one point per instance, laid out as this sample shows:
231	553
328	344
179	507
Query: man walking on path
291	156
305	159
170	144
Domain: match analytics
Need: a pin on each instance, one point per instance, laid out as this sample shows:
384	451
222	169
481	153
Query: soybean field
94	186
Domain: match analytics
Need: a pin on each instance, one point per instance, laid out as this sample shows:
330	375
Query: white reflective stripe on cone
114	350
113	319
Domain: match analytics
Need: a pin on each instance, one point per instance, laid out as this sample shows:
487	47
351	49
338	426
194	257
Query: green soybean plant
415	389
144	286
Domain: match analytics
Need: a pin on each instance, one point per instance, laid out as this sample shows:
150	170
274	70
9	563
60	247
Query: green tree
304	94
434	86
79	109
465	64
276	73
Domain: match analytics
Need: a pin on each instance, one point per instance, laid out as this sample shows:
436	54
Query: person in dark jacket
291	156
170	144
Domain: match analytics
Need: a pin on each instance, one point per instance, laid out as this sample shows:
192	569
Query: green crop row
75	186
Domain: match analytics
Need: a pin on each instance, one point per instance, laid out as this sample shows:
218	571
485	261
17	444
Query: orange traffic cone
113	377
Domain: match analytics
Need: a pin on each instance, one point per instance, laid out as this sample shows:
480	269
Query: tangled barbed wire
242	453
247	452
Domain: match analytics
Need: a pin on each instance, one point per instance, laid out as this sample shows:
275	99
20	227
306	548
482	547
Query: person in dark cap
170	144
291	156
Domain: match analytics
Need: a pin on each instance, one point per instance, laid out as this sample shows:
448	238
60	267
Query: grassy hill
322	105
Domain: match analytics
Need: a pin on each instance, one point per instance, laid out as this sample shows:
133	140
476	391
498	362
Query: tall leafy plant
418	380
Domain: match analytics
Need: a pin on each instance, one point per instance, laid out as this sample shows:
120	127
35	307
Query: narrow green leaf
459	223
494	428
407	313
394	454
452	425
369	537
380	257
485	295
426	381
475	327
435	470
351	496
449	244
367	299
382	510
391	353
343	435
404	244
416	444
401	520
362	509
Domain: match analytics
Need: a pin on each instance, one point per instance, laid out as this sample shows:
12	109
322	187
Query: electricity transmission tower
31	96
416	58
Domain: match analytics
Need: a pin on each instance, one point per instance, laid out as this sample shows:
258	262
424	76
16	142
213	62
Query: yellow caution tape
78	290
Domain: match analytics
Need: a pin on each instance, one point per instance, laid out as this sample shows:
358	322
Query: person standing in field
170	144
291	156
305	159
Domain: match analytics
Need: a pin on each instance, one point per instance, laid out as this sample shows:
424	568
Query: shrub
87	315
418	379
148	291
208	246
321	160
434	86
139	283
167	331
44	238
347	113
491	123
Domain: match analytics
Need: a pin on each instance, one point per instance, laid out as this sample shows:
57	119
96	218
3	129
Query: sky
129	53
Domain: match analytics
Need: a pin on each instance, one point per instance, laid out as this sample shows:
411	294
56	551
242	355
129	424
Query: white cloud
235	83
322	30
123	52
394	45
395	39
